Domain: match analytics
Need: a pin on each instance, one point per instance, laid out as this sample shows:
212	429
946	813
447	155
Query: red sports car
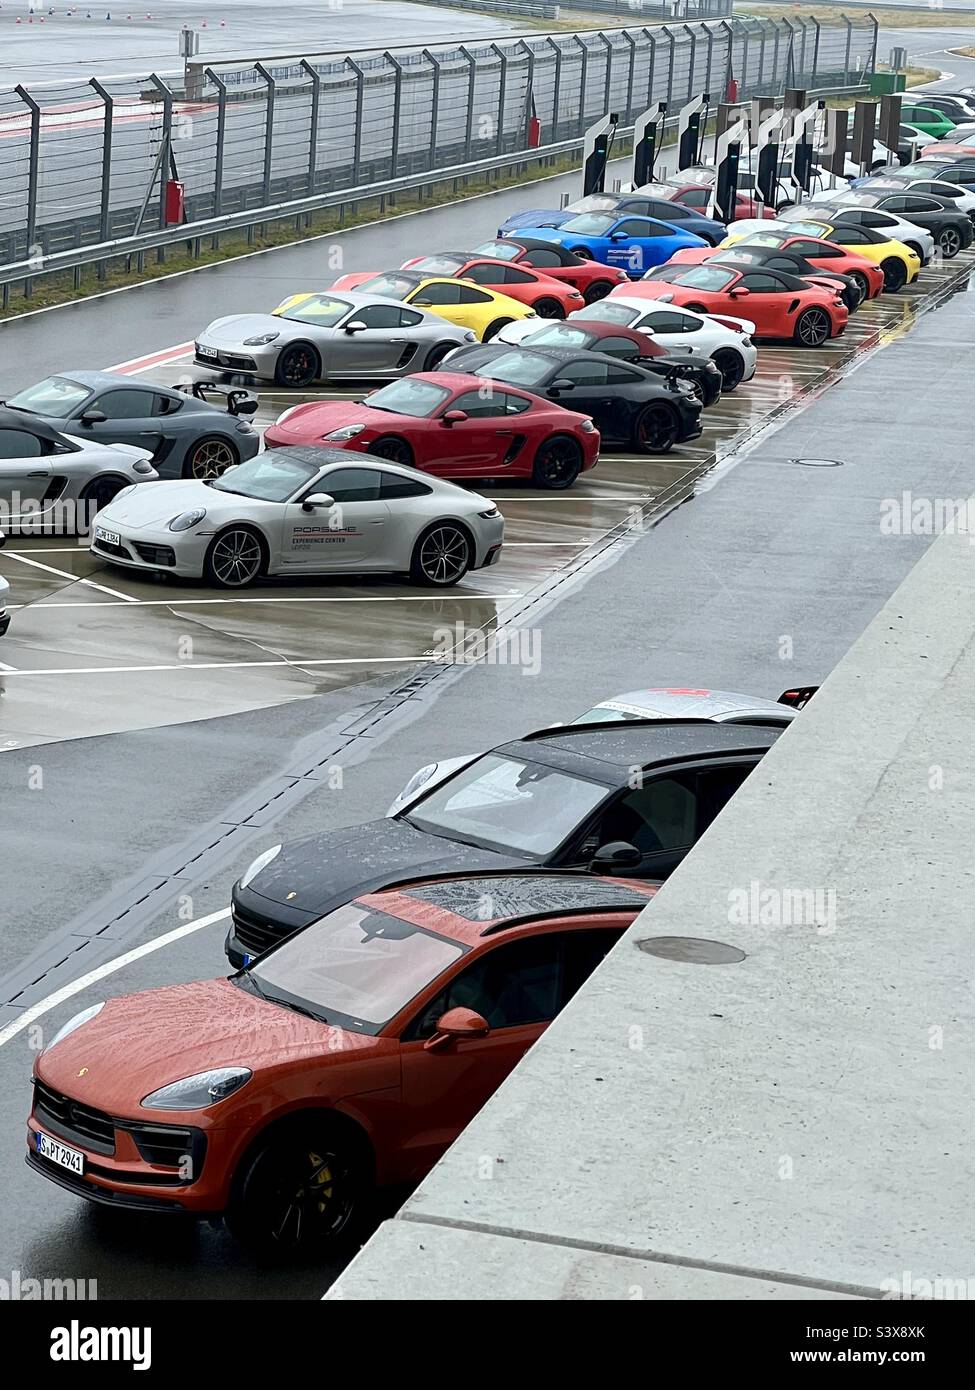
453	425
825	255
591	278
780	305
348	1057
551	299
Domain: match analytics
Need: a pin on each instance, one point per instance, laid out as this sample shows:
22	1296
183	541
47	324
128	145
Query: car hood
139	1042
316	874
237	327
157	505
332	415
535	217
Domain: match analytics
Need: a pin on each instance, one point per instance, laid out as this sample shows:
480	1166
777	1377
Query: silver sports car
53	483
318	337
300	511
4	615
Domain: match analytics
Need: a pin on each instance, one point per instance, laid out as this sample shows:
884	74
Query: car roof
459	381
678	701
30	424
360	297
558	354
93	380
609	752
469	907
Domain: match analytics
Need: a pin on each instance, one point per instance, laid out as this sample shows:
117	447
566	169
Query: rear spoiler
798	697
239	401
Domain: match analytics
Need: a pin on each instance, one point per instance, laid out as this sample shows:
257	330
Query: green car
929	120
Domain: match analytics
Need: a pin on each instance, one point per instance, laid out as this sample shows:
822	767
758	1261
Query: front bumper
236	357
153	550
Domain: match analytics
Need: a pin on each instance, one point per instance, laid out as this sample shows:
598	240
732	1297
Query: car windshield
517	368
595	202
739	254
765	239
355	968
561	335
440	265
270	477
501	250
319	309
705	277
814	229
408	397
56	395
862	200
608	311
509	805
390	286
659	190
589	224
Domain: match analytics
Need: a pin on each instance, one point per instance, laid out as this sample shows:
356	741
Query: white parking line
66	992
296	664
75	579
205	602
3	664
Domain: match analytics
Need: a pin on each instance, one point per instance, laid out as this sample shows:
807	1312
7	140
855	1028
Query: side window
669	212
696	198
18	444
619	347
920	205
812	249
896	203
849	236
441	293
660	815
586	373
514	984
582	952
469	295
637	207
379	315
166	405
716	787
515	405
479	407
350	484
541	260
663	323
782	263
392	485
124	405
759	283
513	276
408	319
633	226
618	375
486	274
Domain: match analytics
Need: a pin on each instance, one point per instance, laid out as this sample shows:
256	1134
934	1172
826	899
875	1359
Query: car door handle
380	521
504	431
397	340
42	473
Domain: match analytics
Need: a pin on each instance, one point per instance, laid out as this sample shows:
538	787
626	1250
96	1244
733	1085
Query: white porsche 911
302	510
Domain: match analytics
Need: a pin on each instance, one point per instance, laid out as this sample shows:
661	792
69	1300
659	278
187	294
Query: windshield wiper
296	1008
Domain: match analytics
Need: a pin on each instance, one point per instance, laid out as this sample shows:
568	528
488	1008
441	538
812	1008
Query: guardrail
515	7
79	177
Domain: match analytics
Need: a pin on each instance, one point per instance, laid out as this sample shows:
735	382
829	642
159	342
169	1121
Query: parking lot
93	649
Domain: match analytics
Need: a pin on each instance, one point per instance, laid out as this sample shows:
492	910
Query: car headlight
142	466
197	1092
259	864
346	432
469	336
488	516
588	426
419	779
261	340
185	520
74	1023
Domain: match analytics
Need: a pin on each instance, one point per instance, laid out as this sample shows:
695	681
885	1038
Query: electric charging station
727	156
864	134
596	147
647	137
691	124
837	126
768	132
888	132
803	142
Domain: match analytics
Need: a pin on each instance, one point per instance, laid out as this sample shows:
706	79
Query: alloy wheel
444	555
812	330
210	458
950	243
236	558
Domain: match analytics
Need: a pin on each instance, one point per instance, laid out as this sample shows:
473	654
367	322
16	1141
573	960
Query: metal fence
88	163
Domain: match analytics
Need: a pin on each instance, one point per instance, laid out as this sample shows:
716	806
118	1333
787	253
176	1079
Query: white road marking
75	579
66	992
205	602
52	550
3	664
297	664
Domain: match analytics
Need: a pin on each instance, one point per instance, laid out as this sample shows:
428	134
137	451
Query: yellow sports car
460	302
899	263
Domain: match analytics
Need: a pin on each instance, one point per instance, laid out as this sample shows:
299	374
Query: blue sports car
635	244
638	204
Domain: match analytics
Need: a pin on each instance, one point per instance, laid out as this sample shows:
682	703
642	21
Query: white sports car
726	341
302	510
664	702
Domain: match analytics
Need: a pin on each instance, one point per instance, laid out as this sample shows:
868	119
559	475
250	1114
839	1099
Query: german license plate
59	1153
205	351
111	537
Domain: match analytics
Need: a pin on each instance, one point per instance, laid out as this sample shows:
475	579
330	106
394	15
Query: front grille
254	934
155	554
167	1146
228	359
110	548
73	1120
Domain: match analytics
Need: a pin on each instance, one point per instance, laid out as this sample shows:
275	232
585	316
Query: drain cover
818	463
692	950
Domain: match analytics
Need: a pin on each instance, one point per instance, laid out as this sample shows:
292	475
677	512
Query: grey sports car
303	510
187	434
53	483
338	333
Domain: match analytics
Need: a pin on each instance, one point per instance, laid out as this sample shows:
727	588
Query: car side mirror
454	417
454	1025
356	326
739	292
562	384
617	236
617	854
317	499
94	417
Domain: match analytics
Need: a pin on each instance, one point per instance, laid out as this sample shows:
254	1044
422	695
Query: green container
883	82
